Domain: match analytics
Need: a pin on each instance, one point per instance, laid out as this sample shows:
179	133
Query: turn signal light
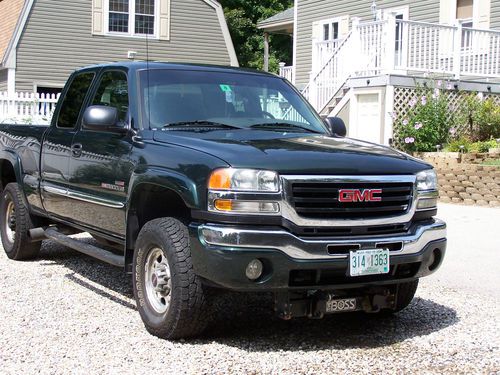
220	179
224	204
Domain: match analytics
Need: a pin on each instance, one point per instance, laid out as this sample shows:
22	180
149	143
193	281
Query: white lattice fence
403	96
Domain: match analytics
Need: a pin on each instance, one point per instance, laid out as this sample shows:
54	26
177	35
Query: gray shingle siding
3	80
57	39
316	10
495	14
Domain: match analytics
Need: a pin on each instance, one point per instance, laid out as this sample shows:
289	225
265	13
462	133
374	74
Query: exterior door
56	150
100	171
367	126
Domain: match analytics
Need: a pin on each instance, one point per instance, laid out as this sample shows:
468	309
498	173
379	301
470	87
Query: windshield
181	97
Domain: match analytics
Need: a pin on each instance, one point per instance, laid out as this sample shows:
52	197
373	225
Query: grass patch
495	162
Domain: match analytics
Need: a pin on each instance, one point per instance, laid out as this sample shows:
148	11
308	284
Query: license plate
341	305
368	262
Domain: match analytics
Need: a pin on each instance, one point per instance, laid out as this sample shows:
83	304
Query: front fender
169	179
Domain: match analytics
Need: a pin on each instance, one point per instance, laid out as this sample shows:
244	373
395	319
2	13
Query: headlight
427	180
244	180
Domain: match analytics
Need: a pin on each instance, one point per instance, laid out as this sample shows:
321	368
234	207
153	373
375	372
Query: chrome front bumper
238	238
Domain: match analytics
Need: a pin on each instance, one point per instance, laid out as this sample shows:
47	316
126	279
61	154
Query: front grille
320	200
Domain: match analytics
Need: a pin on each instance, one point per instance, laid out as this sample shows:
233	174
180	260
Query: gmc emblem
356	195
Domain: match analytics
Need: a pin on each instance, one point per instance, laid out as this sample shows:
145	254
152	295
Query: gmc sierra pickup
194	178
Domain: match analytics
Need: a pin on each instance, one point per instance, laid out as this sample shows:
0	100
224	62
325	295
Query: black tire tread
190	313
406	292
23	248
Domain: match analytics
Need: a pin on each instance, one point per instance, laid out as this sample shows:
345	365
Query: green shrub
454	145
481	117
483	146
428	122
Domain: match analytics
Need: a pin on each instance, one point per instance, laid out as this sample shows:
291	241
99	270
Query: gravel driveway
66	313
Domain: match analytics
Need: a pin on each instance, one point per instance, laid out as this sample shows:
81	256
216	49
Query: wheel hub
10	221
157	280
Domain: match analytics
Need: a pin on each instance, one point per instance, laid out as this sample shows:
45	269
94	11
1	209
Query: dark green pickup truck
196	178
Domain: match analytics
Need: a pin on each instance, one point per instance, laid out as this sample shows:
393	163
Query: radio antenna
147	78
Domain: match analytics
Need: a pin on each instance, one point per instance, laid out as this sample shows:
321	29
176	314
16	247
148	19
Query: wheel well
7	173
151	202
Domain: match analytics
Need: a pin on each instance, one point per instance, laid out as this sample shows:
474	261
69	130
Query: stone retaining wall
463	180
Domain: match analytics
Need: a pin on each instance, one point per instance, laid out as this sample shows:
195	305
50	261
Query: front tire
15	223
169	295
406	292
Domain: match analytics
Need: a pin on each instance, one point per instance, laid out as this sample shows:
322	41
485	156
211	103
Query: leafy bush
428	122
458	145
483	146
468	146
481	117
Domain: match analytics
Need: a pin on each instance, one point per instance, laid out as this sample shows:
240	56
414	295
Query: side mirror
102	118
336	126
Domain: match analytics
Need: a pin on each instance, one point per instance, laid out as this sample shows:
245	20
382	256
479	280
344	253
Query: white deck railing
451	50
27	107
405	47
287	72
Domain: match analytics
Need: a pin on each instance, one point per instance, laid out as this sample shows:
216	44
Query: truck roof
139	65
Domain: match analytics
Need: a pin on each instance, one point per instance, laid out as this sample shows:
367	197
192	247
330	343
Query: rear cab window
73	100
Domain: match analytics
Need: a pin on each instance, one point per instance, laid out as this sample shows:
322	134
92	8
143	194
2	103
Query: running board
85	248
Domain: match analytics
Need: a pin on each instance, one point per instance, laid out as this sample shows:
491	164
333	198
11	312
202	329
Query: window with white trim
132	17
330	31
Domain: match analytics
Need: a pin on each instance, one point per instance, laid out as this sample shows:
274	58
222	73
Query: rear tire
15	223
169	295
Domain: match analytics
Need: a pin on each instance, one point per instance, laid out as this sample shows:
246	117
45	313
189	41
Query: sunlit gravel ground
65	312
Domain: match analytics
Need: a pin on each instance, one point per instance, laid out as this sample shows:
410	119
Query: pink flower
393	115
439	83
413	102
424	100
436	93
453	131
449	86
418	125
409	140
405	122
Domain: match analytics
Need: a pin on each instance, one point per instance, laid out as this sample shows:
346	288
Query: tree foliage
242	17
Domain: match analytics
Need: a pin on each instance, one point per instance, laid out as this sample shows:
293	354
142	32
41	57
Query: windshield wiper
277	125
200	123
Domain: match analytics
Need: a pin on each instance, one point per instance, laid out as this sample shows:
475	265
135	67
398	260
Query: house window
330	31
465	15
465	12
132	17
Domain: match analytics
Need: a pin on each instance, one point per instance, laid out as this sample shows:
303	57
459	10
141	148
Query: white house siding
310	11
495	15
3	80
57	39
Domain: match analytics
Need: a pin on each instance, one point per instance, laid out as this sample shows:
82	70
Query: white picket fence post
27	107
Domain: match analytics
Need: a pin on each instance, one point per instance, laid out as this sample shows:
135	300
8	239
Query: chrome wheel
10	221
157	281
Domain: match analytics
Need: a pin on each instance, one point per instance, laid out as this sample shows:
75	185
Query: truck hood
294	153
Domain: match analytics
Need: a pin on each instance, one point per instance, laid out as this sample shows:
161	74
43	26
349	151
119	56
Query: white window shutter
164	20
482	20
98	17
447	12
317	30
343	27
